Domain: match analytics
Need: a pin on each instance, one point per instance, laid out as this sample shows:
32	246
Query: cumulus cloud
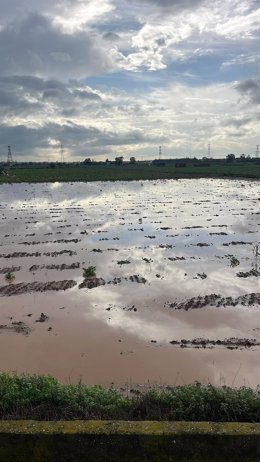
34	99
177	31
128	75
73	15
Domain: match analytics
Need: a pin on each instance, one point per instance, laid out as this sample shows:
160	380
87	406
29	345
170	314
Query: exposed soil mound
61	267
26	287
248	274
20	255
227	244
61	252
133	278
18	327
232	343
42	318
91	283
215	300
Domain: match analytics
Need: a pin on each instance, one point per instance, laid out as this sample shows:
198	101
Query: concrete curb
101	441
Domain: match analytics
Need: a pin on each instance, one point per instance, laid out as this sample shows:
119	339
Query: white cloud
242	60
176	31
239	25
73	15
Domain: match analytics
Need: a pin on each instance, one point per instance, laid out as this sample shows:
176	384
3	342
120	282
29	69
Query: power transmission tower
209	150
9	156
160	152
257	151
61	153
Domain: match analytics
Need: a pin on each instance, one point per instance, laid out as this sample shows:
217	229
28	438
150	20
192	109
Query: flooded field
176	294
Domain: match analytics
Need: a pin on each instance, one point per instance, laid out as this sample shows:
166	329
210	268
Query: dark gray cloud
34	46
21	8
250	89
22	138
111	36
176	3
79	139
238	122
172	4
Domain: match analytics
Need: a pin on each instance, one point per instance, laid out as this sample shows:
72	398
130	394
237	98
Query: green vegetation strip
131	172
44	398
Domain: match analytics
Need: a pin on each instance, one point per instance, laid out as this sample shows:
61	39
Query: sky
109	78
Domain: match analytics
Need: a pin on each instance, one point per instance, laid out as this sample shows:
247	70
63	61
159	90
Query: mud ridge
91	283
232	343
26	287
12	269
60	267
248	274
18	327
215	300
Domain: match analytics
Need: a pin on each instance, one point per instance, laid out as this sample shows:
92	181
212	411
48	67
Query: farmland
127	172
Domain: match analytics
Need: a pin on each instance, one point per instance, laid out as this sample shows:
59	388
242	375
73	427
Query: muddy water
177	238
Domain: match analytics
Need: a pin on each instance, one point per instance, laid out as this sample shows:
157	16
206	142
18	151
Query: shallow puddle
178	260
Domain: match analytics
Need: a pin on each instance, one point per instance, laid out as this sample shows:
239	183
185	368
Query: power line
257	151
160	152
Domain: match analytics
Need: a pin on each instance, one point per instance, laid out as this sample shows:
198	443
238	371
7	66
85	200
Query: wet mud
176	263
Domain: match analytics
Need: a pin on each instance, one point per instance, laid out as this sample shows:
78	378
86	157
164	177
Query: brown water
121	332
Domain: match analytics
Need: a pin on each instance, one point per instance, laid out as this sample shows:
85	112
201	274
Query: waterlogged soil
176	295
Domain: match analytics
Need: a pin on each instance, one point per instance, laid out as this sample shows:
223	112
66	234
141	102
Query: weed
89	272
44	398
9	276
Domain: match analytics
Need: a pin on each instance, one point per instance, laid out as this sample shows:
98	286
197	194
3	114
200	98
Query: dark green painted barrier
102	441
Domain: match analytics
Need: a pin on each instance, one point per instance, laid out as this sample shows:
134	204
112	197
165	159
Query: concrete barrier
118	441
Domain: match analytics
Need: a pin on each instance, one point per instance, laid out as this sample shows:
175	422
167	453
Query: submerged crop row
44	398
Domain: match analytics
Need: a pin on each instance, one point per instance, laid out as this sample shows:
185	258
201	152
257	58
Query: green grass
44	398
131	172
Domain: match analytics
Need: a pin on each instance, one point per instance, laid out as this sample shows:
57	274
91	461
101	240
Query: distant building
158	163
180	164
